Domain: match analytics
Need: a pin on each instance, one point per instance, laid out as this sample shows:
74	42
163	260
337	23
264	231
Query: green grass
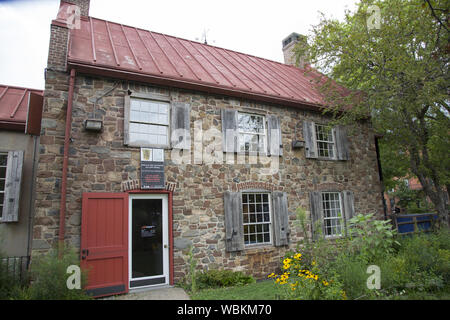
261	290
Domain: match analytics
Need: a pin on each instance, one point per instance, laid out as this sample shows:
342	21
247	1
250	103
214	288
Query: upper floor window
152	120
149	122
252	132
325	141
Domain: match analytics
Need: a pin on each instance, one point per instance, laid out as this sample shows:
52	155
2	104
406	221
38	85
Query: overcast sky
248	26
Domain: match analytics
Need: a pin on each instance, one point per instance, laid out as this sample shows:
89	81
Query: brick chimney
288	49
68	17
83	4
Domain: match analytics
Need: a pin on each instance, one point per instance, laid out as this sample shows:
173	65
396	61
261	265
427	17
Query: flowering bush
305	282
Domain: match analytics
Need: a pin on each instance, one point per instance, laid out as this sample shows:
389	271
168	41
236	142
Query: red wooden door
104	242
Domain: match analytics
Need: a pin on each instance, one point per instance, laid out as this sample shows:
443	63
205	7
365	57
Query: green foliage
222	278
413	201
398	74
7	283
370	238
415	266
49	277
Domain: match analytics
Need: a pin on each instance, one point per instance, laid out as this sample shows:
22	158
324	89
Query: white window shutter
12	186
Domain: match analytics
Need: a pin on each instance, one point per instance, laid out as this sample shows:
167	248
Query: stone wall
99	162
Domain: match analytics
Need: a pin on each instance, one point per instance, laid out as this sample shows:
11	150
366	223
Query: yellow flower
298	256
325	283
287	261
271	275
286	266
313	263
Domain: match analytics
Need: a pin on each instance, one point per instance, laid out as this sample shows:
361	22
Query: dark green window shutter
309	135
341	143
274	138
234	224
280	218
13	183
229	130
180	126
348	204
315	203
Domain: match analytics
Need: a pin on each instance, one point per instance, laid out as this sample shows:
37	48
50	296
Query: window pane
250	123
2	184
2	172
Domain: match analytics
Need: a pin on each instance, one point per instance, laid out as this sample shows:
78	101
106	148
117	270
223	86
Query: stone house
20	112
151	144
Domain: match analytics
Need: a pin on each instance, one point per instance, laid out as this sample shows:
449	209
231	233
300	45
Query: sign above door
152	168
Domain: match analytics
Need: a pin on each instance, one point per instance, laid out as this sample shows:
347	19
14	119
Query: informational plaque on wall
152	168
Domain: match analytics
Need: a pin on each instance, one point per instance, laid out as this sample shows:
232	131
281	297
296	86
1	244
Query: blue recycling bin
405	222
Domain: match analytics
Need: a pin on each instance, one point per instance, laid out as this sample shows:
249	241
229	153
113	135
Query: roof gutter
62	211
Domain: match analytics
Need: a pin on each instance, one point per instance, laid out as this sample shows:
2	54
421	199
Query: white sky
254	27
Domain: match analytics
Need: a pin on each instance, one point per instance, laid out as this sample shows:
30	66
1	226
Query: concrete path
160	293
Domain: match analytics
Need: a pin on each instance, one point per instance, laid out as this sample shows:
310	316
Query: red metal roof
112	47
14	105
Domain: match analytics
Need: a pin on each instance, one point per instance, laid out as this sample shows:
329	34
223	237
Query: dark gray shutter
234	224
274	138
229	130
180	126
126	120
315	203
348	204
309	135
341	142
12	186
280	218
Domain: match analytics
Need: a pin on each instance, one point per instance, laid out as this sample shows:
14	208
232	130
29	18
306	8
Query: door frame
169	230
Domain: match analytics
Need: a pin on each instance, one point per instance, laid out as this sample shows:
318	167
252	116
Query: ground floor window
332	213
257	218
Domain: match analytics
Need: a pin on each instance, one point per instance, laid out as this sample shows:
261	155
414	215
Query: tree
393	56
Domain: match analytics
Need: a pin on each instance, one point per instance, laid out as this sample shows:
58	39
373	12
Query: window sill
259	248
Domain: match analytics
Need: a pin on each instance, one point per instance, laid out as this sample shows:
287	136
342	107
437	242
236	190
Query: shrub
221	278
371	238
49	277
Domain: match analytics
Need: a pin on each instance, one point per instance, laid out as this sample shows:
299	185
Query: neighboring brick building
194	101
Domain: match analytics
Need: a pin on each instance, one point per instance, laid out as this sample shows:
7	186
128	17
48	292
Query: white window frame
330	143
339	220
2	190
248	223
153	97
165	240
243	133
